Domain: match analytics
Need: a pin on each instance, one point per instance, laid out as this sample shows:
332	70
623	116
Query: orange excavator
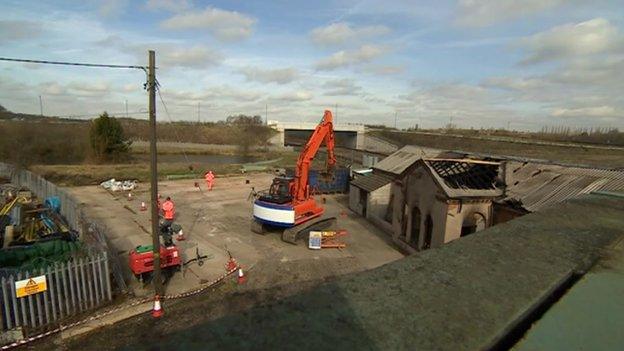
289	203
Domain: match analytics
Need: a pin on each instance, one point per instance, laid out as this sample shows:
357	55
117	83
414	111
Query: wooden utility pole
198	113
151	84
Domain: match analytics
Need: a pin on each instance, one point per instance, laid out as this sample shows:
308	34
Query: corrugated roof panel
400	160
370	182
538	186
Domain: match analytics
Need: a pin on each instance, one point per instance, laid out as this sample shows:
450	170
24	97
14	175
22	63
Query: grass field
89	174
578	154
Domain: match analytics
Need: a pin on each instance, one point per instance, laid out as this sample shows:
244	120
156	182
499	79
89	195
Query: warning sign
30	286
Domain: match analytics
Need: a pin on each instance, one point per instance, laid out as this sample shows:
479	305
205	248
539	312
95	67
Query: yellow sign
31	286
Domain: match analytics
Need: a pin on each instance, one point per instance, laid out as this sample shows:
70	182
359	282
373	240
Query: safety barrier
70	288
61	327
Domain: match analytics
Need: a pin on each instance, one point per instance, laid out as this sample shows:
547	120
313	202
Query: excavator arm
324	132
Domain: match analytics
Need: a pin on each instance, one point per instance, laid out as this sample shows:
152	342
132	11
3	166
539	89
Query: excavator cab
279	192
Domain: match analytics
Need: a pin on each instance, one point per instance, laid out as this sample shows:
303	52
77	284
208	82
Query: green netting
38	255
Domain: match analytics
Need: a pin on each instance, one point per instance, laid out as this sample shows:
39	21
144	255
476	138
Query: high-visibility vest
168	209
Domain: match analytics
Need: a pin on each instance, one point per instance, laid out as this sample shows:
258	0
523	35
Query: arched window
473	223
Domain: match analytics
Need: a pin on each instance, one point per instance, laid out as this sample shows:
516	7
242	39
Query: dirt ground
215	220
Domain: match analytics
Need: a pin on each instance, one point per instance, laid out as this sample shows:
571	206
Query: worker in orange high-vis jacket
209	179
168	209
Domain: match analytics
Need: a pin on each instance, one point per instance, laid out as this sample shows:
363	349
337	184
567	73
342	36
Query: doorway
472	224
416	220
428	233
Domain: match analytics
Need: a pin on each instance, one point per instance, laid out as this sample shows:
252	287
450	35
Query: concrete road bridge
297	133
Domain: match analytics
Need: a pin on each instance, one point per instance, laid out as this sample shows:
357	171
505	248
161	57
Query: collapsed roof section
465	178
535	186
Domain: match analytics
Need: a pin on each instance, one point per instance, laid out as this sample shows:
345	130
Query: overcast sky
481	63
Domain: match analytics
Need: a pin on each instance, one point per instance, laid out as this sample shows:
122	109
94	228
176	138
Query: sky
519	64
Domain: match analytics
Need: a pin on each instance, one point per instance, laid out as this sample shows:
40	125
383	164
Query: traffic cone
241	276
129	196
180	236
143	206
157	311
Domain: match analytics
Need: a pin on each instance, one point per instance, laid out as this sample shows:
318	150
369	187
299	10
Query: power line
71	63
170	120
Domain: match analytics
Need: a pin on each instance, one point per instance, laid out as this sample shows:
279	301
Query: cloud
514	84
482	13
18	30
170	55
385	70
467	105
111	8
344	58
341	87
195	57
89	88
278	75
293	96
586	89
573	40
224	25
341	32
593	111
168	5
216	94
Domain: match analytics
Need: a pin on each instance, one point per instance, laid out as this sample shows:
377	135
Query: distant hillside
16	116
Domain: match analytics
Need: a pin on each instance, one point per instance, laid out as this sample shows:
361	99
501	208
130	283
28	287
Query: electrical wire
171	122
72	63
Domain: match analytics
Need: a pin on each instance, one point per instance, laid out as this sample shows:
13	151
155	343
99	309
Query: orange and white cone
129	196
143	206
180	236
241	276
157	311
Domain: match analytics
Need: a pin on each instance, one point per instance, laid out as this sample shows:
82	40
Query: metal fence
72	287
91	232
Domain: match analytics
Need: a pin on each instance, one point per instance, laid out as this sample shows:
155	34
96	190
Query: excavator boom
289	204
324	132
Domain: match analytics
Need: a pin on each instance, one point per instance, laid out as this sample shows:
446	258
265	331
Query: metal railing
79	284
72	287
92	233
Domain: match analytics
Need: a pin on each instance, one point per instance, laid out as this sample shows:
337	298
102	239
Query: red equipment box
142	258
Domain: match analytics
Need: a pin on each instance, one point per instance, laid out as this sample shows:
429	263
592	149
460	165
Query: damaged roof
401	160
371	182
460	178
536	186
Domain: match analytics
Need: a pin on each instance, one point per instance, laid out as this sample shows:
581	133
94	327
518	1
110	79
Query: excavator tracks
291	235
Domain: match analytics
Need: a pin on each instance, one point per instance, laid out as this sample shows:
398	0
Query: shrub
107	139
